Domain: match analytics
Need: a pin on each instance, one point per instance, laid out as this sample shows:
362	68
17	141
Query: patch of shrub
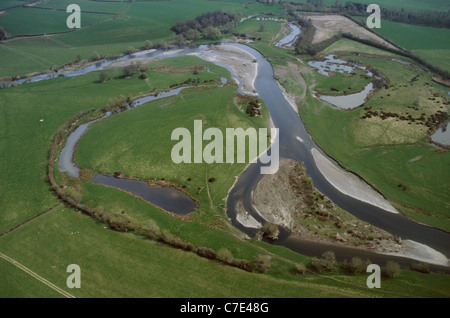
270	230
300	269
355	266
103	77
152	229
75	195
130	50
148	44
206	252
129	70
117	226
327	262
420	267
391	270
243	264
95	56
261	263
225	256
175	241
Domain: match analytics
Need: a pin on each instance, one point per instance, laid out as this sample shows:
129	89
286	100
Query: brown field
327	25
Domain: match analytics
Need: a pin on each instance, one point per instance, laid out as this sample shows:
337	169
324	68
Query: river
295	143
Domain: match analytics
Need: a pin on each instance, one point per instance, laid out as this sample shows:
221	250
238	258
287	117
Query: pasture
137	143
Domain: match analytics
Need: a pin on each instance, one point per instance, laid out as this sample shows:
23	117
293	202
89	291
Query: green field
18	21
137	143
122	265
431	44
139	22
343	83
346	46
149	157
85	5
63	236
383	152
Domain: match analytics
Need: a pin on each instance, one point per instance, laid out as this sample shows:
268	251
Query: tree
271	230
95	56
192	35
262	263
129	70
130	50
300	269
148	45
212	33
103	76
225	256
391	270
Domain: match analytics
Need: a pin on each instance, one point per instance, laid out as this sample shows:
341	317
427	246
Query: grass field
22	132
137	143
122	265
431	44
149	156
139	22
346	45
36	21
85	5
343	83
390	152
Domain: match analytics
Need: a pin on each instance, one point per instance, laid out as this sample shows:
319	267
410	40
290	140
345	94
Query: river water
442	136
294	143
297	144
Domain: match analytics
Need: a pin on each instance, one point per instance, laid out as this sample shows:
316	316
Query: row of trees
428	18
209	25
304	42
442	73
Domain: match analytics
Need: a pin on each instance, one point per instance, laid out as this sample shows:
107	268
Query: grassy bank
122	265
386	140
25	137
149	157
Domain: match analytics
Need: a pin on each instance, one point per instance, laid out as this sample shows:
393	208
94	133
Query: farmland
40	234
429	43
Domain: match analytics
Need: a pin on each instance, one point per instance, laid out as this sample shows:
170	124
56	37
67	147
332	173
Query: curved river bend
295	143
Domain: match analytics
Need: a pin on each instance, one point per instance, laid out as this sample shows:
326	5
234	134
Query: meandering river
294	143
